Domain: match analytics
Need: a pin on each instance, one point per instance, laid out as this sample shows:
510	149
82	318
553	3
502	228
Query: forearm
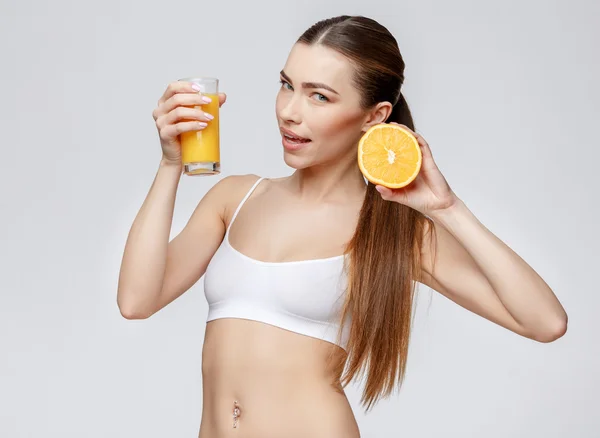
523	292
144	258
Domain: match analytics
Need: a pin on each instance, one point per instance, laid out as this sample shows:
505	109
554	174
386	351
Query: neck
338	181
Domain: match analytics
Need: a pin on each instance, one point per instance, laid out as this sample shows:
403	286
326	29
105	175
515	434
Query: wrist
165	162
446	215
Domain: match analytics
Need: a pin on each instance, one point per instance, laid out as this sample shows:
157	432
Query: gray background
506	93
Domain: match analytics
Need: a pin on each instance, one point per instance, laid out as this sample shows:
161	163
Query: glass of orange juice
200	151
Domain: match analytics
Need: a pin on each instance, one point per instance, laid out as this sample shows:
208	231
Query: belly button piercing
236	413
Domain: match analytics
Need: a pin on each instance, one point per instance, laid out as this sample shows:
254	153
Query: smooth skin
280	378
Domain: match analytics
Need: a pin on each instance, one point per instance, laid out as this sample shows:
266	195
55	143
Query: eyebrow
309	84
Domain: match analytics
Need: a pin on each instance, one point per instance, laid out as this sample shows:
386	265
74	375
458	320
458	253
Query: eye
283	83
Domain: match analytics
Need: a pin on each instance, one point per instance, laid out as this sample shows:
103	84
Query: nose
291	108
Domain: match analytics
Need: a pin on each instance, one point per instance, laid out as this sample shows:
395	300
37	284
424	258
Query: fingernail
209	116
196	87
206	99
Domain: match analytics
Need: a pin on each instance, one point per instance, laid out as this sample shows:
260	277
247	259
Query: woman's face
331	118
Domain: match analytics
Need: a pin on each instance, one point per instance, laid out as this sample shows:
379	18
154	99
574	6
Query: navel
237	412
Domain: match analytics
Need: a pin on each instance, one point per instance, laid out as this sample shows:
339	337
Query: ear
378	114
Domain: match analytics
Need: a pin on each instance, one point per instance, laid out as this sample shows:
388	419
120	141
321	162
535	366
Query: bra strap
237	210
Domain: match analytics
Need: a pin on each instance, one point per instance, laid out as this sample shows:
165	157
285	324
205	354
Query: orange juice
200	149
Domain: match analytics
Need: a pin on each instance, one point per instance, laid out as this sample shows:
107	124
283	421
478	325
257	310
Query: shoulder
232	185
231	190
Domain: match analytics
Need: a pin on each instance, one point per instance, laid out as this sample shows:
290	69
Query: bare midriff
262	381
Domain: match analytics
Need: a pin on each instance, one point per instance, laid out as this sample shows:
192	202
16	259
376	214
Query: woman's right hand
174	116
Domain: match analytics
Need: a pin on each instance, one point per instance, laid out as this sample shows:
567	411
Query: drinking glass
200	153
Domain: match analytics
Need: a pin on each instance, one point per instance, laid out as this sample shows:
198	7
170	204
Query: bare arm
478	271
143	263
154	271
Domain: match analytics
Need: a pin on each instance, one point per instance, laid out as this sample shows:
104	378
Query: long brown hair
385	250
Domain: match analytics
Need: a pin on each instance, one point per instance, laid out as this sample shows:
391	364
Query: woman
288	259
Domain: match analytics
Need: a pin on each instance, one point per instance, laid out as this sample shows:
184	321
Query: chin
296	162
299	159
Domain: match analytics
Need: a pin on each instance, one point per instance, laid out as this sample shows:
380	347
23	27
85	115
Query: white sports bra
303	296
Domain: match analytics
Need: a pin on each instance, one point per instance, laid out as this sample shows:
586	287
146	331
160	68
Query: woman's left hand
429	192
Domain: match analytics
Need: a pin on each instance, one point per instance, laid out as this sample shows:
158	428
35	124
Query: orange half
389	155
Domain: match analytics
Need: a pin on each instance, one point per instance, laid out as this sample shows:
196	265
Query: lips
293	135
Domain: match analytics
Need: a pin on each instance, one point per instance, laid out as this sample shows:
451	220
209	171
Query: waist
286	384
307	410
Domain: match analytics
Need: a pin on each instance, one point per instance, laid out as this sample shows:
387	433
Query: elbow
131	311
132	314
557	331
